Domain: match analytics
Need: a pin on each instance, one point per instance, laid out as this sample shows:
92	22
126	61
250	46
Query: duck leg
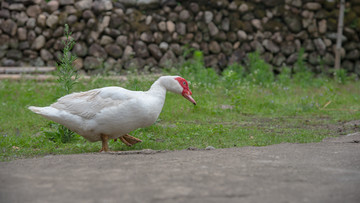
105	144
129	140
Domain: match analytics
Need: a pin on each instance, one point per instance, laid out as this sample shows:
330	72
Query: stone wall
118	35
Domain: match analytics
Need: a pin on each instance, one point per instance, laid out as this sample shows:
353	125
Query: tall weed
67	78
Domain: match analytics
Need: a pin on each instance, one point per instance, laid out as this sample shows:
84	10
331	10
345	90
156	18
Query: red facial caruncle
186	91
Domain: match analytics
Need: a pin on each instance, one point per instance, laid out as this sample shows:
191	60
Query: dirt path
328	171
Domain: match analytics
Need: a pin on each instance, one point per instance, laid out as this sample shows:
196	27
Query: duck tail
35	109
47	111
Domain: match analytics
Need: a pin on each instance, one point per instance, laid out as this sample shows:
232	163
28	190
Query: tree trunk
339	35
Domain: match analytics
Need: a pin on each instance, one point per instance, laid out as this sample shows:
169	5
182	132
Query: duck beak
187	95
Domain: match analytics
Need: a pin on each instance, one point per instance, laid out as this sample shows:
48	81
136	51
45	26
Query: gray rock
170	26
191	27
184	15
4	13
31	35
329	59
225	24
24	45
9	62
164	46
292	59
287	48
293	22
181	28
209	148
52	6
243	8
16	7
72	19
162	26
37	62
155	51
194	7
106	40
46	55
242	36
92	63
141	49
169	59
83	5
122	40
9	27
257	46
80	49
97	51
128	53
78	63
147	37
353	55
256	23
226	48
320	45
176	48
308	45
333	36
313	58
272	3
322	26
208	16
31	23
313	6
214	47
58	32
87	14
102	5
21	19
135	63
52	21
279	60
114	50
14	54
33	11
271	46
38	43
66	2
213	29
211	61
41	20
22	33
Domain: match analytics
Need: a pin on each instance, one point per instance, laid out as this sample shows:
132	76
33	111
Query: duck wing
88	104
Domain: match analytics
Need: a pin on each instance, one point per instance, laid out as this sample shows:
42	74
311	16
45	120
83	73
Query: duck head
178	85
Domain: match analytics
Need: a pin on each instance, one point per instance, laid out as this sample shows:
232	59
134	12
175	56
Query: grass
244	115
237	108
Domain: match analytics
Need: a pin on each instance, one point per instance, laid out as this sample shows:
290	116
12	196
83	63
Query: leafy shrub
302	75
260	72
195	70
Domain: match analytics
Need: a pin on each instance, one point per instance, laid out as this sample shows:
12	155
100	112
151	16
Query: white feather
113	111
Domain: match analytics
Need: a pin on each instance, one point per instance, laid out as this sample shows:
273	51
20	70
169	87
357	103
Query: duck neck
157	89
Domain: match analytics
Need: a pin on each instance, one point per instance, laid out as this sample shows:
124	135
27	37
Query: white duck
113	112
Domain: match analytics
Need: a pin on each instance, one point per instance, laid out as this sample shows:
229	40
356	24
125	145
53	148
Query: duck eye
184	83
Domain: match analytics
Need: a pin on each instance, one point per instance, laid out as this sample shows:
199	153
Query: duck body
112	111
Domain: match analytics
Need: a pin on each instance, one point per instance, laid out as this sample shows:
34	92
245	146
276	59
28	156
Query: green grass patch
243	106
231	112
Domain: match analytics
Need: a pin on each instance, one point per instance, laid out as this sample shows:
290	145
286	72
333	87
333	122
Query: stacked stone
123	34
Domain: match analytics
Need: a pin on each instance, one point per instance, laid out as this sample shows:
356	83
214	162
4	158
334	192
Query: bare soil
328	171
